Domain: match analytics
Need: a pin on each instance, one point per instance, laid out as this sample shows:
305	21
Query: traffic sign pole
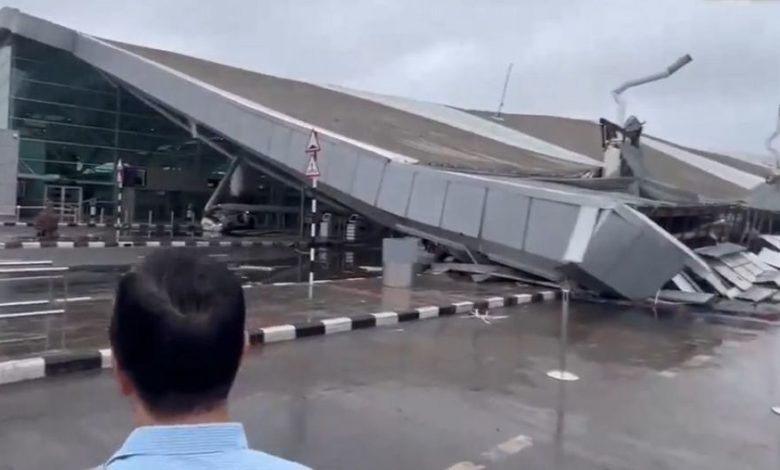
313	172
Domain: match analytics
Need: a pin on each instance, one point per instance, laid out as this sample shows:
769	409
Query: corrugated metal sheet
720	250
770	257
772	240
698	298
757	294
731	276
685	283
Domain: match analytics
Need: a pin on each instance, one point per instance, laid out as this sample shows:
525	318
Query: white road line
508	448
497	453
466	466
697	360
692	362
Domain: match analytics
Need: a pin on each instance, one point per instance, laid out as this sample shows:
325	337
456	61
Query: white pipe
771	138
617	92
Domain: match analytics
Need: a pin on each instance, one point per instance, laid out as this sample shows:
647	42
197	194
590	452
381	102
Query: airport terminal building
68	125
519	191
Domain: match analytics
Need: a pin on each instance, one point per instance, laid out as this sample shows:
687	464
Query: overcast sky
568	54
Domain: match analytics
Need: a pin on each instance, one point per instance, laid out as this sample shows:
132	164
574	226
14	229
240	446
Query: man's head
177	333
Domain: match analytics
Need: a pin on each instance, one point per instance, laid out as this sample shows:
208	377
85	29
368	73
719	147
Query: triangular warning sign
314	142
312	170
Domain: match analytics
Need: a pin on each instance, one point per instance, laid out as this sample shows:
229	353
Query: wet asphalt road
457	393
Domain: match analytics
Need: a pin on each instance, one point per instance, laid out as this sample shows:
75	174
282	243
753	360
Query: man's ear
125	385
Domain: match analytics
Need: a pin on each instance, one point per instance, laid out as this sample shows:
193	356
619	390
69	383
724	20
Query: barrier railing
35	271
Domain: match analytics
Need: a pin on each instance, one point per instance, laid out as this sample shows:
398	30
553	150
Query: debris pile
735	273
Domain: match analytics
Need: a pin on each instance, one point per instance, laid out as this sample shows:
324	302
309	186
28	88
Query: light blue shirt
193	447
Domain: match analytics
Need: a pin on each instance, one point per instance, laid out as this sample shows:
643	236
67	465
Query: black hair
177	331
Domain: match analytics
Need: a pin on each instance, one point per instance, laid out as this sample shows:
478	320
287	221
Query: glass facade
74	124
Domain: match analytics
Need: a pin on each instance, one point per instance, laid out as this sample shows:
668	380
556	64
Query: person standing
177	336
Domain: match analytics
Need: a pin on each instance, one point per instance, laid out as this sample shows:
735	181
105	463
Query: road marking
695	361
497	453
466	466
508	448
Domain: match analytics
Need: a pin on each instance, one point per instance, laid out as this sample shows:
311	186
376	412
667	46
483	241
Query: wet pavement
84	323
676	392
275	290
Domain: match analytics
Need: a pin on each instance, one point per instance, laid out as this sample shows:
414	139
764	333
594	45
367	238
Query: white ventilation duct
770	142
617	92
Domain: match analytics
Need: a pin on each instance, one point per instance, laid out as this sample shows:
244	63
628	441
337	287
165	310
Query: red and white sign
314	143
312	169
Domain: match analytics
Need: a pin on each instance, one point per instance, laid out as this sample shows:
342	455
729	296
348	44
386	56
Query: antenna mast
503	93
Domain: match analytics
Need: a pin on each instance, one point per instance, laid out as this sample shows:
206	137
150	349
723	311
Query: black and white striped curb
53	364
157	227
149	244
75	361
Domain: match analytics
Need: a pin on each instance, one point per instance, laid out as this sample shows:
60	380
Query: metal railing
50	307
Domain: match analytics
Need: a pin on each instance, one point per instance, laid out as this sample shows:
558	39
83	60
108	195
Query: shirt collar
183	439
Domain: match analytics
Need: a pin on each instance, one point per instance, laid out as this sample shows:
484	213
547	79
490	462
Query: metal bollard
18	213
102	209
562	373
150	219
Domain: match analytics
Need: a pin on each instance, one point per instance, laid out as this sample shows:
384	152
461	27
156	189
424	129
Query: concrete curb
64	362
150	244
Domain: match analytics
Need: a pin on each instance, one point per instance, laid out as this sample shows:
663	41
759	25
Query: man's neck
214	416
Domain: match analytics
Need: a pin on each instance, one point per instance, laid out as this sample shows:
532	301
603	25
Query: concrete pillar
399	256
